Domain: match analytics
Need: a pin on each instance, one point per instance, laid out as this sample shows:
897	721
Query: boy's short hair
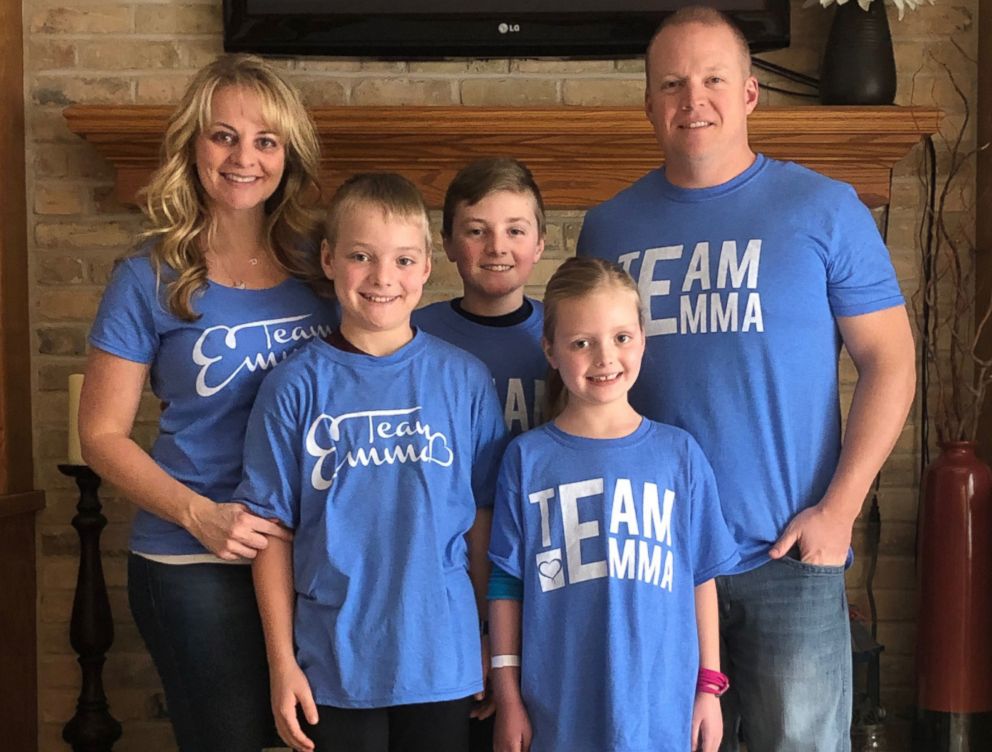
484	176
394	194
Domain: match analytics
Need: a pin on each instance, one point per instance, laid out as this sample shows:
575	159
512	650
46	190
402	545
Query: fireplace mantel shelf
579	155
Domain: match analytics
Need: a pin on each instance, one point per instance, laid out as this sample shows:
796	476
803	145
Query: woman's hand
107	409
230	531
290	688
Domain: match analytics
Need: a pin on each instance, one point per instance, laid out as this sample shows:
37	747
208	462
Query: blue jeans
786	645
201	625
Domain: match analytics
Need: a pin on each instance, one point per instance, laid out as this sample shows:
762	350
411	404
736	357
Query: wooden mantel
579	155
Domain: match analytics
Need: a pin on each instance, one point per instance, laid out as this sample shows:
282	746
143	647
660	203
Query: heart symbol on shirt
550	568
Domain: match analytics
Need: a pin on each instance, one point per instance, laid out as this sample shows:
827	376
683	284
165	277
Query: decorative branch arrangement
952	312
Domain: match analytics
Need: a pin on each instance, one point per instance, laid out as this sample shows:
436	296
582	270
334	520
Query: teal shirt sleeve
503	586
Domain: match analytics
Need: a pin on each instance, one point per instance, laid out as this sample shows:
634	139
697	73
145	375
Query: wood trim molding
16	464
13	505
18	627
579	155
18	500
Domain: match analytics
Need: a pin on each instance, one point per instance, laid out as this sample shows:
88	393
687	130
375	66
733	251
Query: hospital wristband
502	661
712	682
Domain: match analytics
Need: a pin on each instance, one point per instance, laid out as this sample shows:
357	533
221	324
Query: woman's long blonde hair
577	278
174	201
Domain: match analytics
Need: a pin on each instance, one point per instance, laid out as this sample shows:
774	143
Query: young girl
607	534
378	446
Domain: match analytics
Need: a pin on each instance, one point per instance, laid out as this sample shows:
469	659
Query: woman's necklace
237	281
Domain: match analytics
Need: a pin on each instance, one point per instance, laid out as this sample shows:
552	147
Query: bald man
753	273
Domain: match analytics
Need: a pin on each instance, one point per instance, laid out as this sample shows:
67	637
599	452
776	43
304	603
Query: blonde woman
222	288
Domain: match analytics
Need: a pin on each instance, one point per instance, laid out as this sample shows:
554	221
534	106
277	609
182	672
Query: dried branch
946	302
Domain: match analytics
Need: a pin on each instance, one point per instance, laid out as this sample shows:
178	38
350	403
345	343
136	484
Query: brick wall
101	51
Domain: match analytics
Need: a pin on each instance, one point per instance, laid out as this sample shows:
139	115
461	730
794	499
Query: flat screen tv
434	29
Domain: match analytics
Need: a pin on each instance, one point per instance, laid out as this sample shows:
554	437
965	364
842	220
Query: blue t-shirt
205	372
610	538
379	464
513	354
741	286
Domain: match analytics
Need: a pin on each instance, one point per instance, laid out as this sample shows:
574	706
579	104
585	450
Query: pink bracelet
712	682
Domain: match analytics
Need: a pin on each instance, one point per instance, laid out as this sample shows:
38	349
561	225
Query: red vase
954	640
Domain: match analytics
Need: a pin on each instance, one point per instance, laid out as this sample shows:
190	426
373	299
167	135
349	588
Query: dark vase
858	64
954	636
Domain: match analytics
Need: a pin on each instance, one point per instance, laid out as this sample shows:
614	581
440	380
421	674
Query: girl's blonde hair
174	201
576	278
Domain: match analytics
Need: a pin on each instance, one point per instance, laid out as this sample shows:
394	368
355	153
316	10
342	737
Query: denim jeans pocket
813	569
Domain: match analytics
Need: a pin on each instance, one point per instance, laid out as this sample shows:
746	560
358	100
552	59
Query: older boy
493	230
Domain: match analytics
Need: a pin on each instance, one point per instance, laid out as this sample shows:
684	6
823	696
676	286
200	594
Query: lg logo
506	28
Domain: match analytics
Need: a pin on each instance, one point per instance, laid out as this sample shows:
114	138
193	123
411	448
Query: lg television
439	29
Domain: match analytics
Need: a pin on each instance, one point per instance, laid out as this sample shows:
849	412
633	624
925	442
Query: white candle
75	387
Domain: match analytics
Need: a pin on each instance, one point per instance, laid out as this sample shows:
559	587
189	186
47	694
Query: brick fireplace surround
119	65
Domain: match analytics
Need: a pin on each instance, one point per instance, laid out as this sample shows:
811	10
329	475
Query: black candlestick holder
91	630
